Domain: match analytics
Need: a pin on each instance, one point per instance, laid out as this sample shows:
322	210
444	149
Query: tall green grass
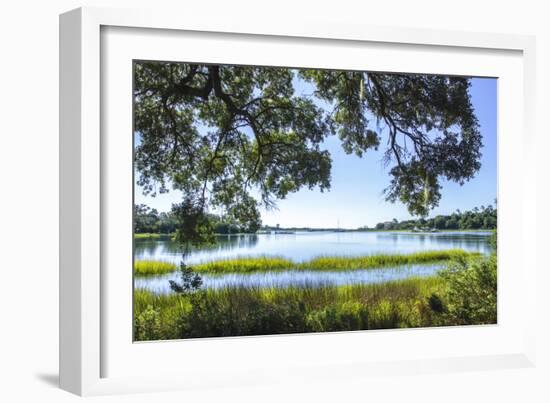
464	294
245	265
380	260
327	263
255	311
153	267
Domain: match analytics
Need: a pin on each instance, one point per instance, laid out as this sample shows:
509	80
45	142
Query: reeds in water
327	263
153	267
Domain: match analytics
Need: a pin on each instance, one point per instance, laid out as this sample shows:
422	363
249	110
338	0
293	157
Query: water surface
303	246
292	278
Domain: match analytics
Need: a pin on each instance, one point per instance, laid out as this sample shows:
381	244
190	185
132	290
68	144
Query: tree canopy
237	137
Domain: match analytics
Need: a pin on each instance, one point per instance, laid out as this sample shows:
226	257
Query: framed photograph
243	203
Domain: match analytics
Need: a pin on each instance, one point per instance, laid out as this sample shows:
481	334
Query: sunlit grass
255	311
326	263
245	265
150	235
311	296
464	294
153	267
380	260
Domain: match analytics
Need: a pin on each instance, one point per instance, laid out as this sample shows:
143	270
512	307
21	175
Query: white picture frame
97	357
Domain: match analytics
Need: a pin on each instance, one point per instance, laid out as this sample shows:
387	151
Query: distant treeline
478	218
149	220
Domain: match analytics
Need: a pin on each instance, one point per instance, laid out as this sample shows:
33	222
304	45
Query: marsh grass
256	311
153	267
150	235
327	263
380	260
246	265
243	311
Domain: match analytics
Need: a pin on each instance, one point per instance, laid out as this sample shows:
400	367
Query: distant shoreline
285	231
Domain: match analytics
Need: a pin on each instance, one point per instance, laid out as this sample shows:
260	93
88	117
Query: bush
470	296
147	325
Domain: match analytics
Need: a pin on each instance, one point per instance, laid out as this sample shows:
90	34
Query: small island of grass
153	267
259	264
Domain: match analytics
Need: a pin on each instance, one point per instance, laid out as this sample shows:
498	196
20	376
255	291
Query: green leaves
222	133
428	121
433	133
194	226
415	187
471	290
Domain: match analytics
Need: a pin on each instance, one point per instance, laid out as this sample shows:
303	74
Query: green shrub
470	295
147	325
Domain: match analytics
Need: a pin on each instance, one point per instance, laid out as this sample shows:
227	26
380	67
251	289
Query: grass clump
153	267
158	317
257	311
246	265
326	263
381	260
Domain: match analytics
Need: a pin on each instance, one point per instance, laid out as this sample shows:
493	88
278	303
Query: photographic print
276	200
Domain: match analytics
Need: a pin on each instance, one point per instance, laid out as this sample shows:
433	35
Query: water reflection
303	246
169	250
294	278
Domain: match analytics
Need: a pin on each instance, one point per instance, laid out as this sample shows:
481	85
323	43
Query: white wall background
29	201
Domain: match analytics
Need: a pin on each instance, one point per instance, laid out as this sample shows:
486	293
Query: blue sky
355	198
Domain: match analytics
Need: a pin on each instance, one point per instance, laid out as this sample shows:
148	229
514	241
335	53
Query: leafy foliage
431	128
471	294
235	137
194	227
147	324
